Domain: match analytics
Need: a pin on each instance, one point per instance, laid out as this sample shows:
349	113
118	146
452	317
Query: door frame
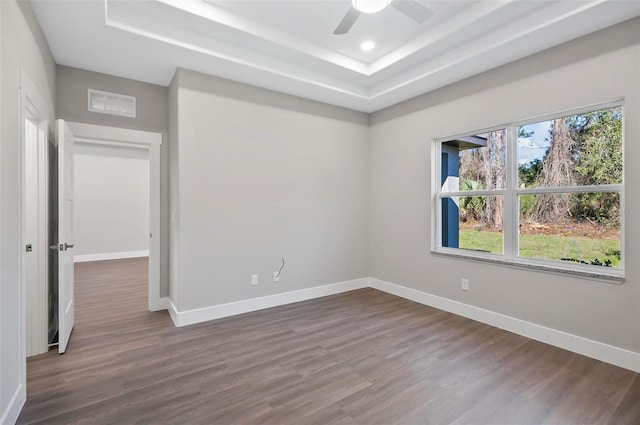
114	136
33	107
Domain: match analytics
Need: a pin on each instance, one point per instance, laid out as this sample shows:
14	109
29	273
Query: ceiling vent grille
112	103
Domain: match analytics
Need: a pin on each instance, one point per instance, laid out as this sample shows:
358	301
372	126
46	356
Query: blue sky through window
536	146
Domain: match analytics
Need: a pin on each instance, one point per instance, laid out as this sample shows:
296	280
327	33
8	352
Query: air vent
112	103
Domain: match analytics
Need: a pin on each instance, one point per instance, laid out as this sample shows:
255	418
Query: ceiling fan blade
413	10
347	22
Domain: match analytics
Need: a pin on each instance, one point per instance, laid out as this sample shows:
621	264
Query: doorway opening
117	211
111	232
46	211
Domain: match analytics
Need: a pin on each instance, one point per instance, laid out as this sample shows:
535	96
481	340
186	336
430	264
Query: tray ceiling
289	46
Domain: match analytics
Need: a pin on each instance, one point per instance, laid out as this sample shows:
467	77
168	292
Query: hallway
113	333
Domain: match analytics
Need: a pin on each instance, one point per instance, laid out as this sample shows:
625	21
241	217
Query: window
546	193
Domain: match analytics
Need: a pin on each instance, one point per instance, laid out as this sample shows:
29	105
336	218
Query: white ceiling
289	46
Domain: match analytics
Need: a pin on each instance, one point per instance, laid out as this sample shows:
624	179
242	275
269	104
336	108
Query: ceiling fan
410	8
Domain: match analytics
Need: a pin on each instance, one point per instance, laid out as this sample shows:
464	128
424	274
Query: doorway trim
33	107
113	136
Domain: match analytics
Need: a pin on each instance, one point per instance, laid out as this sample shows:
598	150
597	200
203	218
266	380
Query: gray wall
600	67
262	176
152	115
23	47
111	199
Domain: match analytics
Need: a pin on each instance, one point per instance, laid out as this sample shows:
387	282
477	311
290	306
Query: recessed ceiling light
367	46
370	6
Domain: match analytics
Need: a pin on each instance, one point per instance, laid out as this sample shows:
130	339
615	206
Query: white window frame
511	192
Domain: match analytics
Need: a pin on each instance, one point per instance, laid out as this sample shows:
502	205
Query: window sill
616	276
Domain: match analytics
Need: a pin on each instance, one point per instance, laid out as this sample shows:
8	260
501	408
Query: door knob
68	246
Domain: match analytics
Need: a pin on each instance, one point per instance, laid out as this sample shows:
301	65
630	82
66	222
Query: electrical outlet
276	276
254	279
465	284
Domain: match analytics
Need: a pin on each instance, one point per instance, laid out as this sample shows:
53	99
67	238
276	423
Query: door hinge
29	248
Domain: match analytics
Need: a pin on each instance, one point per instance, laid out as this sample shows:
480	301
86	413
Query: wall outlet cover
465	284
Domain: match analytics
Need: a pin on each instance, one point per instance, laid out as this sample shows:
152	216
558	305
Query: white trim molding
163	303
173	311
10	416
109	256
577	344
31	105
597	350
190	317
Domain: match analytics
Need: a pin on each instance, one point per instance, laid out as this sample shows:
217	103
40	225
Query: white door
65	235
35	234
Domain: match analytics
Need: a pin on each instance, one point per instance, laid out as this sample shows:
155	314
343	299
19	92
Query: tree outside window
548	190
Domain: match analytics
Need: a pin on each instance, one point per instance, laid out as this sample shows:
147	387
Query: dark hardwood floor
363	357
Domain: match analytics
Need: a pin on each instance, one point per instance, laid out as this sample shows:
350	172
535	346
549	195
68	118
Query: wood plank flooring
363	357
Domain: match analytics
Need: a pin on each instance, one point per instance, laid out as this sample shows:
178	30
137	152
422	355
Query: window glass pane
583	149
579	228
473	223
474	162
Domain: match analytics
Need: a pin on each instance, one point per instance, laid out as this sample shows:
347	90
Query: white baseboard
189	317
173	312
597	350
109	256
577	344
10	415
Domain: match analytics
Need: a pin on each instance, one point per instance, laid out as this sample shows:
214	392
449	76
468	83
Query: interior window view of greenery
549	190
